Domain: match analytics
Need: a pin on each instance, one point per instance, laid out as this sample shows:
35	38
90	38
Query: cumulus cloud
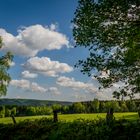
36	88
46	66
27	85
72	83
33	87
76	85
33	39
54	90
87	88
27	74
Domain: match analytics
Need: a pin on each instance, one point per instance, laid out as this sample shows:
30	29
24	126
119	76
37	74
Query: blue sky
39	34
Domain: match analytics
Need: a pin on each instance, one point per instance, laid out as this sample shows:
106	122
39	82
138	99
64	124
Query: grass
72	117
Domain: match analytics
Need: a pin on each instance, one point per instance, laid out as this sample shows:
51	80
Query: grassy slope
71	117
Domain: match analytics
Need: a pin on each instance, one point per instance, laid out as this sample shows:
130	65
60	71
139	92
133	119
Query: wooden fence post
55	116
109	116
13	118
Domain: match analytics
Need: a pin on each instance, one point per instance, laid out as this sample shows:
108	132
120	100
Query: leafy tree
95	105
5	61
31	111
102	106
13	111
116	95
108	105
131	106
124	107
115	106
2	111
111	31
56	107
48	110
78	108
7	112
121	94
65	109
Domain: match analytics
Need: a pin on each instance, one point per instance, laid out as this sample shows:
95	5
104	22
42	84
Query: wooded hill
31	102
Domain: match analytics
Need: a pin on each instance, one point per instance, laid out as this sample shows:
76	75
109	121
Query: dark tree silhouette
111	31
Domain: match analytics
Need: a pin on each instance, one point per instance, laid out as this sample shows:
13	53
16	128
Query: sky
39	34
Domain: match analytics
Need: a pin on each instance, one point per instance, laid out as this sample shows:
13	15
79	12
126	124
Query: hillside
31	102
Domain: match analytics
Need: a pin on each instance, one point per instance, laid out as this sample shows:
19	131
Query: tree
111	31
13	111
56	107
124	107
95	105
2	111
116	95
121	94
131	106
7	112
48	110
115	106
78	108
65	109
102	106
5	61
31	111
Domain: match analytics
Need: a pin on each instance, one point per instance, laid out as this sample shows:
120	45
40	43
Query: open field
71	117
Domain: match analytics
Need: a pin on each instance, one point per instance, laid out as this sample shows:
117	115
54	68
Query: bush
77	130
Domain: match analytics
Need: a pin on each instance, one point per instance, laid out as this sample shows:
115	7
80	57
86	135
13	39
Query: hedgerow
46	129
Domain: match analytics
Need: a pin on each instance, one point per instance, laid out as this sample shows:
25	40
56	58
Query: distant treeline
94	106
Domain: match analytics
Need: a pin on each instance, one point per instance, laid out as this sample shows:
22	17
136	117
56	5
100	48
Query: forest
94	106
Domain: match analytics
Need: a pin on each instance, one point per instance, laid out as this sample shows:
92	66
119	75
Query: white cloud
33	39
87	88
53	27
33	87
27	74
36	88
76	85
46	66
54	90
71	82
25	84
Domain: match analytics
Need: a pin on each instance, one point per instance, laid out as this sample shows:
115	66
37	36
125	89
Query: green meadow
71	117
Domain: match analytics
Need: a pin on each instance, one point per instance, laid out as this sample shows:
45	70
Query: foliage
94	106
2	111
31	102
56	107
77	130
111	32
119	94
5	61
123	107
13	111
7	112
78	107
